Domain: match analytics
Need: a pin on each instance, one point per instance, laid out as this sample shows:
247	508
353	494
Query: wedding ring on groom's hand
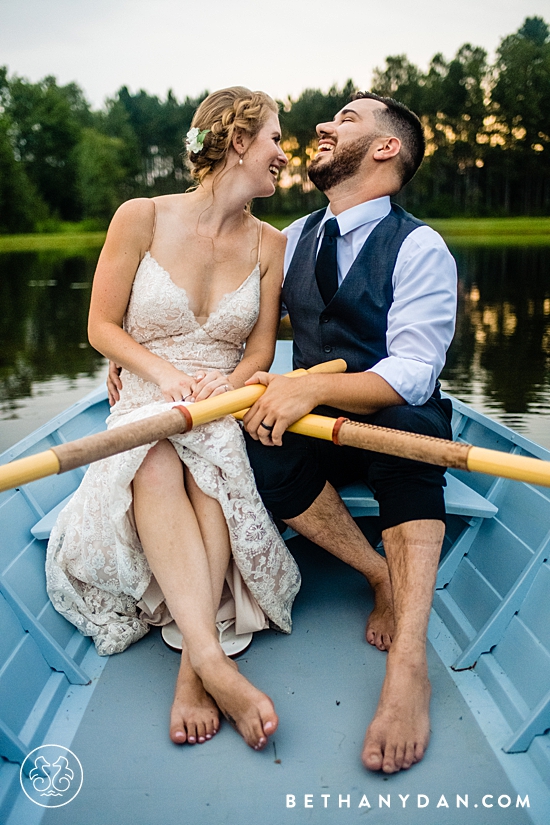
266	426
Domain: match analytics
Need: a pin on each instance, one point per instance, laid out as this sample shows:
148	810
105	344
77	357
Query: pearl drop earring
241	160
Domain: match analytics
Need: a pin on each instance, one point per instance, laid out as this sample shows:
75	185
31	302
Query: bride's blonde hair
222	113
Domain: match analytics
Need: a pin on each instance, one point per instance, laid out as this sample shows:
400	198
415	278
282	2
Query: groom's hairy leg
328	524
399	733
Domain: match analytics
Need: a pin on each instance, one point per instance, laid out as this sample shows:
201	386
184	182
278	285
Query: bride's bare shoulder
136	208
272	250
132	224
273	241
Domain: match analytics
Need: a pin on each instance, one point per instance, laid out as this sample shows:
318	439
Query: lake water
499	361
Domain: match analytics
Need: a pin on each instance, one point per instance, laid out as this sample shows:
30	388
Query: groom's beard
343	164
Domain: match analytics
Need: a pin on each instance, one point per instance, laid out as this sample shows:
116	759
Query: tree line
487	127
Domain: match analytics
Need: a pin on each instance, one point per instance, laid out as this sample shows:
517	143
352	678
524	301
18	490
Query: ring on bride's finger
225	387
266	426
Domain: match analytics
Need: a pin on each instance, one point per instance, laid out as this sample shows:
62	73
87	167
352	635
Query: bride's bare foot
380	624
399	733
249	710
194	716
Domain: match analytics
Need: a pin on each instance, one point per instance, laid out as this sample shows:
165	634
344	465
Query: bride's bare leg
173	543
159	508
194	715
190	692
215	535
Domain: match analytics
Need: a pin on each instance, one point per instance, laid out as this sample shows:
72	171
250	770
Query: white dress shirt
421	319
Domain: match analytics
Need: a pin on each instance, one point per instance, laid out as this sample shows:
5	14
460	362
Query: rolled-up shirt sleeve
421	319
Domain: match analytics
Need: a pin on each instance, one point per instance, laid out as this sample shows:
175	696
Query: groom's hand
114	384
284	402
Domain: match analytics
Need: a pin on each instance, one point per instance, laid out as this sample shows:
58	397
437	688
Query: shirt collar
358	215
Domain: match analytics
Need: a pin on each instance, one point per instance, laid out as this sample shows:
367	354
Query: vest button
325	320
327	348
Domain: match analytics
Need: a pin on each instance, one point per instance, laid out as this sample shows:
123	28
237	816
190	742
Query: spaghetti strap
260	241
154	225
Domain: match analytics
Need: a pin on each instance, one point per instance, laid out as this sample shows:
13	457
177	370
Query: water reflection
44	352
500	358
499	361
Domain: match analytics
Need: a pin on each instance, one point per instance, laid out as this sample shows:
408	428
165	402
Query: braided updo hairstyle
222	113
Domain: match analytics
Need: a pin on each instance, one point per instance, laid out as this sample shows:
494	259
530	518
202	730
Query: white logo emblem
51	776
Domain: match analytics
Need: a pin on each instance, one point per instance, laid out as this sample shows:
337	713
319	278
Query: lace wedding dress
97	573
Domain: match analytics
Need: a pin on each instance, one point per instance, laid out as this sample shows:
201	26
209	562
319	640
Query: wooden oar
439	451
341	431
179	419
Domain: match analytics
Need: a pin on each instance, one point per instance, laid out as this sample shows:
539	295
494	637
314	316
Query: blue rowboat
489	654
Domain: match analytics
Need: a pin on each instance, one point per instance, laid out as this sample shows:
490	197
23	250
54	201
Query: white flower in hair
194	139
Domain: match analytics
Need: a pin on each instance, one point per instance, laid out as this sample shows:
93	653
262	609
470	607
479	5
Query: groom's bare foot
380	624
249	710
194	716
399	733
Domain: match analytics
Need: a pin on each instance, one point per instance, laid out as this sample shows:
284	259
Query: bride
162	531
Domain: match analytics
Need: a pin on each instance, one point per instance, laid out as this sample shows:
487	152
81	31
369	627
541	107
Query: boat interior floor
324	680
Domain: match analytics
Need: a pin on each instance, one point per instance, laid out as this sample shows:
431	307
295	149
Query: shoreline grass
455	227
458	231
58	240
485	227
474	231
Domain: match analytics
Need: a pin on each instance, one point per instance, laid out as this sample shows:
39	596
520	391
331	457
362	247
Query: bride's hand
175	385
209	384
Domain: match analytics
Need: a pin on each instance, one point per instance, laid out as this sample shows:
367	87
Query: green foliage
487	129
47	122
522	91
101	174
20	205
154	130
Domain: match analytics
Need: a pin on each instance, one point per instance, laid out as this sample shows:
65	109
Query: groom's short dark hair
405	125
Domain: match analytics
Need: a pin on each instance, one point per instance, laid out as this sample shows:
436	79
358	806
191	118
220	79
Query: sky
283	48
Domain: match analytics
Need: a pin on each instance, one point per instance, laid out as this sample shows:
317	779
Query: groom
367	282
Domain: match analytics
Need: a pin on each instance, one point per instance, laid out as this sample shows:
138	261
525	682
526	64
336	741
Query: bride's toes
194	715
201	733
264	726
212	727
270	720
178	734
179	731
191	733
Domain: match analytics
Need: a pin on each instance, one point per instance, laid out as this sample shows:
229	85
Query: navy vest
353	325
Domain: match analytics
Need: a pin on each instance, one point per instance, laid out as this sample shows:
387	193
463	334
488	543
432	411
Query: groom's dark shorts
290	477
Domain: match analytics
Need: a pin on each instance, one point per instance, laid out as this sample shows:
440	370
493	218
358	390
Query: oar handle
416	447
247	396
425	448
338	365
27	469
180	419
517	467
327	367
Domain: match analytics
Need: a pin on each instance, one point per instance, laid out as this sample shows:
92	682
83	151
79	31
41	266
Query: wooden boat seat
460	500
359	499
43	528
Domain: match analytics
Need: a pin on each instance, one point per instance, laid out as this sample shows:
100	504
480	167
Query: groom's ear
386	148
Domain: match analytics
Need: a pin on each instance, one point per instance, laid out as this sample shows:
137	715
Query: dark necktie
326	268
